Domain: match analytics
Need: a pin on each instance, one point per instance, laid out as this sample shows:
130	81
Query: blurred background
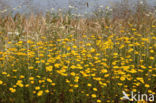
76	6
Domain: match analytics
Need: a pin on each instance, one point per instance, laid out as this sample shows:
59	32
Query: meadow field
60	58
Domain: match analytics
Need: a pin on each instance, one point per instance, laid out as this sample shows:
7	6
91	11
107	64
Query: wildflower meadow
64	59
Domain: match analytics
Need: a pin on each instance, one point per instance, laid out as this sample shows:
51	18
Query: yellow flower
21	77
125	67
89	85
122	78
40	93
47	91
104	70
31	78
14	70
53	84
106	75
147	85
31	67
49	80
152	58
34	92
133	71
49	69
140	79
134	90
1	82
19	83
87	95
76	79
142	101
76	85
37	61
70	90
4	73
93	95
27	85
14	86
72	73
94	89
37	88
98	101
42	61
67	81
12	90
82	91
115	54
32	82
152	51
57	65
149	91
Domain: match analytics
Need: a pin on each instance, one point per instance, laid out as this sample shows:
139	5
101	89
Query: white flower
141	2
62	27
59	9
52	9
101	6
17	33
10	33
107	7
71	7
3	11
